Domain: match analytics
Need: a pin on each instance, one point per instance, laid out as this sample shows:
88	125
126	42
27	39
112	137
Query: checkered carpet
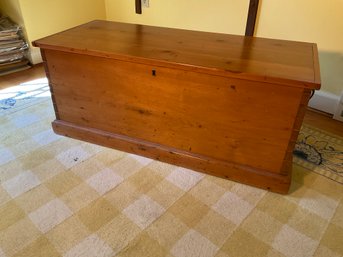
62	197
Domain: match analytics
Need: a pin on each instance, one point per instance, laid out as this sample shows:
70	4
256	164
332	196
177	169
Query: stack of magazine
13	47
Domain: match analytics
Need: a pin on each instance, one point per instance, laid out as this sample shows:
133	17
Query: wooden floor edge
244	174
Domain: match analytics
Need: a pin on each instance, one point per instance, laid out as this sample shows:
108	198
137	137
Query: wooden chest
230	106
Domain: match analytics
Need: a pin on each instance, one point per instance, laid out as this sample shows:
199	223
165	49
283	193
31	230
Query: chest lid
260	59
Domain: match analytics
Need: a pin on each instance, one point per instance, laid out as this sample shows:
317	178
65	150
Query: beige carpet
62	197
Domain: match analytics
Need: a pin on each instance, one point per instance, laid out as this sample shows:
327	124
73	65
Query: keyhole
153	72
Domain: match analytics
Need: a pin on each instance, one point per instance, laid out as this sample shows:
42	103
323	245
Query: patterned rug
321	152
18	97
63	197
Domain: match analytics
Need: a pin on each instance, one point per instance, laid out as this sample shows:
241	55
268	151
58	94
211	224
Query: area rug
63	197
320	151
21	96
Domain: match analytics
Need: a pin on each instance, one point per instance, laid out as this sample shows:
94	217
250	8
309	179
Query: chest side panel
228	119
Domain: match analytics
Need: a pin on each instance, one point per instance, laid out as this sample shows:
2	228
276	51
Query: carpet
320	151
63	197
18	97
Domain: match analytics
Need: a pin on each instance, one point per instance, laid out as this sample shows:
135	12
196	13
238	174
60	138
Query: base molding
324	101
236	172
34	55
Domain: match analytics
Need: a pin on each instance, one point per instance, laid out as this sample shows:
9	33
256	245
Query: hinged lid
260	59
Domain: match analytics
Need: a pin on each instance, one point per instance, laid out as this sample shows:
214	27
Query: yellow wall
306	20
12	9
311	21
227	16
320	22
44	17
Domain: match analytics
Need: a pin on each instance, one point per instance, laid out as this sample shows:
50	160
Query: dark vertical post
138	6
250	27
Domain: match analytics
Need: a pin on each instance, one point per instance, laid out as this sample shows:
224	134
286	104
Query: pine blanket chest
226	105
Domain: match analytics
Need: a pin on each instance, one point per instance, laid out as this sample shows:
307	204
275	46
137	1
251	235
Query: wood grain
220	104
244	174
313	117
176	108
268	60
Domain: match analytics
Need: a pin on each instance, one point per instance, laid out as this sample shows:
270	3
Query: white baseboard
338	115
324	101
34	55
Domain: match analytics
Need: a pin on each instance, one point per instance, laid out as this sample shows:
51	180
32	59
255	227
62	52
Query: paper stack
13	47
